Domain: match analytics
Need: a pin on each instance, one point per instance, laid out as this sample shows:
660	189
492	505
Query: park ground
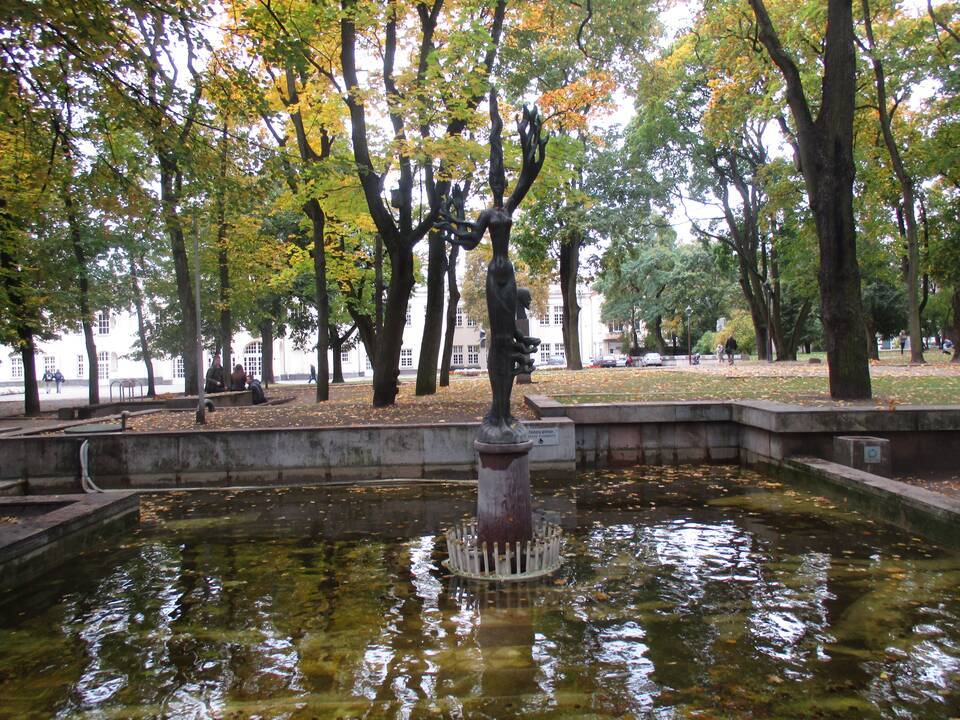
467	399
895	383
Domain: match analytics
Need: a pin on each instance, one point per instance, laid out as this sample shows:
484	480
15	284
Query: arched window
253	359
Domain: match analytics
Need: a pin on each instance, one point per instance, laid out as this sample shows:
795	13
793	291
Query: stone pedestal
504	513
870	454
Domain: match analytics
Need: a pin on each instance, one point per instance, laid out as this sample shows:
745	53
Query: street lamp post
689	313
201	401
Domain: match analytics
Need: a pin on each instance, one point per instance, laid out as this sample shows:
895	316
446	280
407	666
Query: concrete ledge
12	488
920	436
267	456
54	528
545	406
909	507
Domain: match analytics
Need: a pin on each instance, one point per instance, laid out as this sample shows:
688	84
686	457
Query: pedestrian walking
58	379
731	347
313	375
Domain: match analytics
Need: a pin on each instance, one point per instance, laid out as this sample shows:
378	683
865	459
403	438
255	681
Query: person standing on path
58	379
313	375
47	379
731	347
214	382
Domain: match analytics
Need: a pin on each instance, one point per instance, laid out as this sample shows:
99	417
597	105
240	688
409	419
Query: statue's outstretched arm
533	149
461	232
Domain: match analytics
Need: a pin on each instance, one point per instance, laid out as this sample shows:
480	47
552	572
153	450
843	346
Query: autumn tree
409	94
575	57
824	145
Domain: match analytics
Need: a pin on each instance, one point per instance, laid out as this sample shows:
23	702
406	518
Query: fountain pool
691	592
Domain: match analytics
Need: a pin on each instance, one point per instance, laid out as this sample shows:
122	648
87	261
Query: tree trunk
386	366
955	304
907	194
758	313
266	351
826	158
170	182
226	316
83	286
792	344
786	344
569	268
31	389
840	301
336	346
433	320
378	288
658	335
321	298
142	330
16	295
454	300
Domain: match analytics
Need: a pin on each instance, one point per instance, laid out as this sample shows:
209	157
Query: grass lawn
467	399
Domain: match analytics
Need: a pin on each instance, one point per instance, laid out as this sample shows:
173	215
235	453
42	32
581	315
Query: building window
471	322
615	327
473	354
16	368
103	365
178	372
544	352
345	356
253	359
49	364
369	364
544	319
456	357
81	366
558	314
406	358
459	317
102	322
559	350
408	321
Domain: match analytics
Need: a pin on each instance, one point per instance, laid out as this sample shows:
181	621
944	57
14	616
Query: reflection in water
685	593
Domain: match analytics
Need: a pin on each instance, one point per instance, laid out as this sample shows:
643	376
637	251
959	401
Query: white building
116	338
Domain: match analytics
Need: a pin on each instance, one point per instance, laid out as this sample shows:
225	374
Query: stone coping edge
240	431
909	507
763	414
77	511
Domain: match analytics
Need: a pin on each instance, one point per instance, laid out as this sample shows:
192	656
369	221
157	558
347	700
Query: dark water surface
686	593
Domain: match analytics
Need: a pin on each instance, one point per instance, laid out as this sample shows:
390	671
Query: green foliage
740	326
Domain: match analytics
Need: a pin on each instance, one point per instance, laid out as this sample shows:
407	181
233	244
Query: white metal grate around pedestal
469	558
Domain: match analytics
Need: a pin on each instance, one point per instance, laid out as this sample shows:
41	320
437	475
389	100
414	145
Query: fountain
504	543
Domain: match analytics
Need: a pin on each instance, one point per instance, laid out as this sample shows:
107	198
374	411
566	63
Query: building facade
116	338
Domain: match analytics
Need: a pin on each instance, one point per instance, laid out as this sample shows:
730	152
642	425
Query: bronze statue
509	349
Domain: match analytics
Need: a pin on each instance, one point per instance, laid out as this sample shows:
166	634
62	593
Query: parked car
622	361
556	360
608	361
651	358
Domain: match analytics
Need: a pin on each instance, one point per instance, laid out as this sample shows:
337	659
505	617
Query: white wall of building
116	338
